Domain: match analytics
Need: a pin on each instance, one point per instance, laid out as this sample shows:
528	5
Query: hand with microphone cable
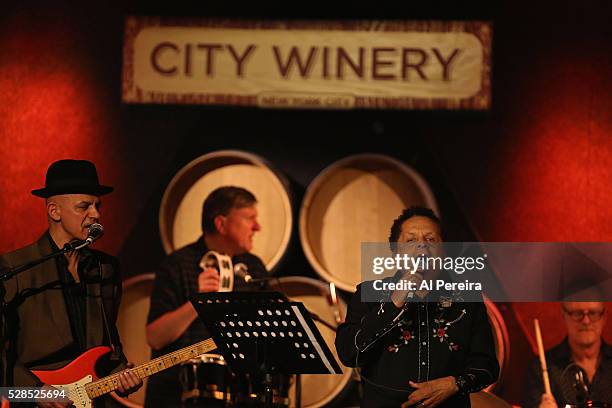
411	276
400	297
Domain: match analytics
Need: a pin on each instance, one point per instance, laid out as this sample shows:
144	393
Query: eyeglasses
578	315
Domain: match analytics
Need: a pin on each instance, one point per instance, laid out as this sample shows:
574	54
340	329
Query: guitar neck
111	382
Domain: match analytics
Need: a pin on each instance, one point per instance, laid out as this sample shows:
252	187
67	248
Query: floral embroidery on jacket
441	328
406	335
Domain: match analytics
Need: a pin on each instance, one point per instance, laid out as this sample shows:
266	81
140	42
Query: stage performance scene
325	206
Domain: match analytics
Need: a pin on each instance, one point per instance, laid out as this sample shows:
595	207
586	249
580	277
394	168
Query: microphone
94	233
242	271
416	278
582	391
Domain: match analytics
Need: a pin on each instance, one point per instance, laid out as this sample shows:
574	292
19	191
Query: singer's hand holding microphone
399	297
415	277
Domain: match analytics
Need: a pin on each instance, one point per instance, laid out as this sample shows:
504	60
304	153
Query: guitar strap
115	354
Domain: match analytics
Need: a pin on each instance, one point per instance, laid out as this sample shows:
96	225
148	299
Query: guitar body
82	385
74	376
75	370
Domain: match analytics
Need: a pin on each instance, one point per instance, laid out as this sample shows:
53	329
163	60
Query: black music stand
264	333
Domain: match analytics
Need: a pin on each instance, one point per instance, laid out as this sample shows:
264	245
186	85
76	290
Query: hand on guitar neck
129	382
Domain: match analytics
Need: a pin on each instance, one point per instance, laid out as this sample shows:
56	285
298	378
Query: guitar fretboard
111	382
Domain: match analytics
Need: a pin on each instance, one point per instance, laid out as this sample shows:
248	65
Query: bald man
68	304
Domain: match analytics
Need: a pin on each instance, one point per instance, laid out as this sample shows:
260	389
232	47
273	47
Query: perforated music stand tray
263	332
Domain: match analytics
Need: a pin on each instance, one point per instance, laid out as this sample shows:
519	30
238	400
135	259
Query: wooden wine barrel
131	323
501	339
484	399
180	213
355	200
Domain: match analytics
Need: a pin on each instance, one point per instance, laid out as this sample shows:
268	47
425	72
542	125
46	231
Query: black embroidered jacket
422	342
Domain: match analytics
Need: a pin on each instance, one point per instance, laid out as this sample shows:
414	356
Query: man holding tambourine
229	222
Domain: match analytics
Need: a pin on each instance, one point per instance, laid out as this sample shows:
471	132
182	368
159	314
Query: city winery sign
308	64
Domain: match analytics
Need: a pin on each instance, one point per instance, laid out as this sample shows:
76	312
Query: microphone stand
262	281
314	316
298	379
10	272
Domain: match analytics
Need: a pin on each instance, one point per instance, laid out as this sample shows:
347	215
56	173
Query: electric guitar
82	385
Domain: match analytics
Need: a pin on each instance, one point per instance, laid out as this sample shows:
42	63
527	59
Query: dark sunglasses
578	315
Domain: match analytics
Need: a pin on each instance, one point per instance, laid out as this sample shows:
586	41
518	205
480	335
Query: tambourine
223	264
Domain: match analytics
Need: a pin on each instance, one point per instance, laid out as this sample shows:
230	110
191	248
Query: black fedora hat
72	177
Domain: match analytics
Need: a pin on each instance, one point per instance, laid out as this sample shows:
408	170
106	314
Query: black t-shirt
74	295
562	374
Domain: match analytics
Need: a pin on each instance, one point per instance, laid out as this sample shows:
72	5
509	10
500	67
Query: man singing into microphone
229	222
60	308
429	352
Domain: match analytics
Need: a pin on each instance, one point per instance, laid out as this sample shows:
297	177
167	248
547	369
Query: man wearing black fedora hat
68	304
